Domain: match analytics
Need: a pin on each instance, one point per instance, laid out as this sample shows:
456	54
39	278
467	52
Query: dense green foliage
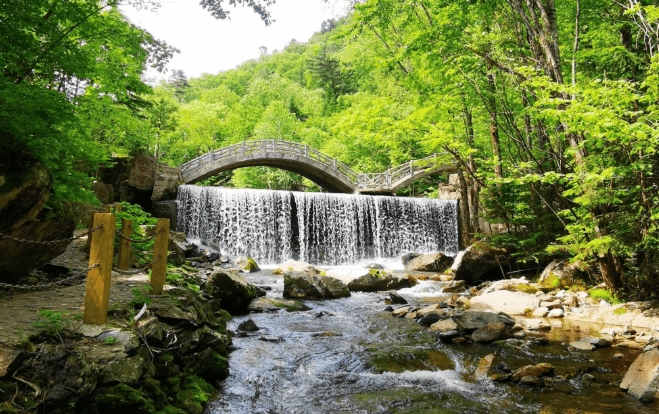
548	109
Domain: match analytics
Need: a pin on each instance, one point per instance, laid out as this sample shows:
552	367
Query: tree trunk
494	124
612	277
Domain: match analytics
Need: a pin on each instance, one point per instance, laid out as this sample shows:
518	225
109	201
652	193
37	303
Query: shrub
603	294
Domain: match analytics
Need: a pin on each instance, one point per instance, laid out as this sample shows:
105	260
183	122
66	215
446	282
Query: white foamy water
318	228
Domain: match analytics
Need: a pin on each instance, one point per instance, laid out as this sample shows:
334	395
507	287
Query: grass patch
604	295
620	311
526	288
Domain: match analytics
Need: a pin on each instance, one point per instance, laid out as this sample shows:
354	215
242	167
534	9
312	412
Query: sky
209	45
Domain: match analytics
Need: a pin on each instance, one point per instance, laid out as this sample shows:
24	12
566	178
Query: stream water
350	356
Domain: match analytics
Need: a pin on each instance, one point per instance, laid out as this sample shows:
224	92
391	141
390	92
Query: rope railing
42	286
49	242
101	252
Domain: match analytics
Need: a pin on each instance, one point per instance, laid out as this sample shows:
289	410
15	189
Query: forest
547	107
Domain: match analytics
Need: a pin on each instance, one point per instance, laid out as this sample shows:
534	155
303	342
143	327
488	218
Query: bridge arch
329	173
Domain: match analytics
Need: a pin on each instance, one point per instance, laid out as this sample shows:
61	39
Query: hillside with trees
548	108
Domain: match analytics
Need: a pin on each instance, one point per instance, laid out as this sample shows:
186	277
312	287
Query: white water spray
318	228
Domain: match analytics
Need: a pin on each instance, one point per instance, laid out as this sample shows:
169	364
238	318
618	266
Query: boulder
582	346
25	185
490	333
65	377
232	288
166	182
561	274
486	366
540	312
178	247
454	286
396	298
401	311
275	305
377	280
101	192
444	326
555	313
168	210
430	318
505	284
436	262
298	285
642	378
18	259
476	260
537	371
248	326
127	371
469	321
375	266
513	303
142	171
295	266
11	360
598	342
409	257
246	264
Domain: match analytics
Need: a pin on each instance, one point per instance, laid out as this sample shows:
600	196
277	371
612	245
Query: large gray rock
25	185
642	378
486	366
476	260
11	360
295	266
275	305
512	303
233	289
126	371
166	182
377	280
469	321
246	264
560	274
18	259
167	210
298	285
435	262
490	333
142	171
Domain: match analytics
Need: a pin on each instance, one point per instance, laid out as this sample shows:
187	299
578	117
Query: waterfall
318	228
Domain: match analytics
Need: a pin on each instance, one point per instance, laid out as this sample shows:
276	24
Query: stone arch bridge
329	173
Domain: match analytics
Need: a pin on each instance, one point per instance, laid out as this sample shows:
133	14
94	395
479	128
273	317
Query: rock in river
232	288
298	285
435	262
377	280
642	379
512	303
491	332
470	321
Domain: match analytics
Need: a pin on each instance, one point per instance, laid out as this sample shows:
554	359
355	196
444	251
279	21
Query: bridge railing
265	146
369	181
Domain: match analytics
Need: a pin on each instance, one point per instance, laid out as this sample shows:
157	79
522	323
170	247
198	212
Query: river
351	356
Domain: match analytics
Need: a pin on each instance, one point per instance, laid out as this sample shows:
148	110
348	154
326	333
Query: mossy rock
117	398
232	288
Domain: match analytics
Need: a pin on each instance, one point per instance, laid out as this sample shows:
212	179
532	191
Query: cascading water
318	228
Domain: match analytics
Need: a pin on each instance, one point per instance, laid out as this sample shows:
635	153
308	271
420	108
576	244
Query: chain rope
49	242
10	287
135	271
144	240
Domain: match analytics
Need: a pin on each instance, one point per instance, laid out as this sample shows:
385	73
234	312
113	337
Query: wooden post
159	268
89	236
124	245
98	279
108	208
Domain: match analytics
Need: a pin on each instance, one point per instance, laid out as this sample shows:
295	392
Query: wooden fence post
98	279
124	245
89	236
159	268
